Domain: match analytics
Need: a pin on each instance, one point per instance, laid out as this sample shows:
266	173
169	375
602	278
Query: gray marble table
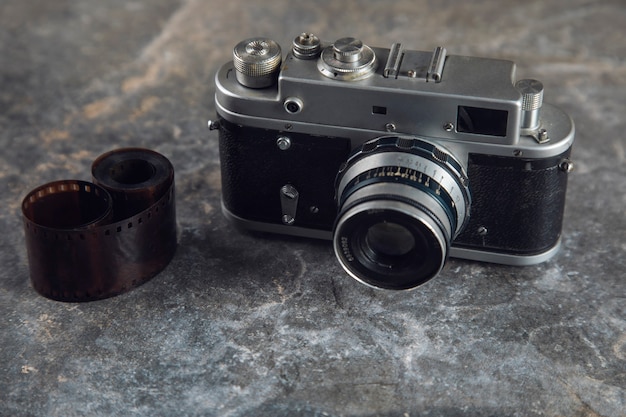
249	325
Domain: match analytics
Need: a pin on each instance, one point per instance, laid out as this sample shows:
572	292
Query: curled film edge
89	241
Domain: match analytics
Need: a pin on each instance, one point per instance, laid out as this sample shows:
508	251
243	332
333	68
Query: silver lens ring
401	202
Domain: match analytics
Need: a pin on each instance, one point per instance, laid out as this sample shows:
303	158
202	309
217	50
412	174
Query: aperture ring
413	179
414	167
401	199
411	145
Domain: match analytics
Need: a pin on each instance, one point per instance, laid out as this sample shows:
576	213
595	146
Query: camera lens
401	202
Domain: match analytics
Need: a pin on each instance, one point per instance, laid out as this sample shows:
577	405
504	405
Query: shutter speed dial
347	60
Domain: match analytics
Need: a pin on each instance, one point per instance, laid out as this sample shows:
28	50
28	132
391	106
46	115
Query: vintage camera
400	157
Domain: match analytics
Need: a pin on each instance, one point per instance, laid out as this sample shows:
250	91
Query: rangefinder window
481	121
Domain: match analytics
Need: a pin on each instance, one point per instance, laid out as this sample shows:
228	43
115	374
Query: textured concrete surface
242	325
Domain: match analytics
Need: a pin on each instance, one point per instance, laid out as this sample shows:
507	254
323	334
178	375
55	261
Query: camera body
401	157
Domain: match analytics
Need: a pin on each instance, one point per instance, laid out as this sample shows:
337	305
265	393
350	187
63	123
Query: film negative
88	241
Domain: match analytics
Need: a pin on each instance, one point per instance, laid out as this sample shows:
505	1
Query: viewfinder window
481	121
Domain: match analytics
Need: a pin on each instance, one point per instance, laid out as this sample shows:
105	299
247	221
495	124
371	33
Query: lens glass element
389	239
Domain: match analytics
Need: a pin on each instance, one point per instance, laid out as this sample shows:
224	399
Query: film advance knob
257	62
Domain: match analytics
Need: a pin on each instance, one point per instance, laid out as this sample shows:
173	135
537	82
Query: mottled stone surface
242	325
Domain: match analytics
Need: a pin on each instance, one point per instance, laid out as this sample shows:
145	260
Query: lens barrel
401	202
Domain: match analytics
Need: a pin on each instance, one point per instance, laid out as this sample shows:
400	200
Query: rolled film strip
89	241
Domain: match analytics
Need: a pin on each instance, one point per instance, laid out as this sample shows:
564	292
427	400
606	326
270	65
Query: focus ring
422	182
428	163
